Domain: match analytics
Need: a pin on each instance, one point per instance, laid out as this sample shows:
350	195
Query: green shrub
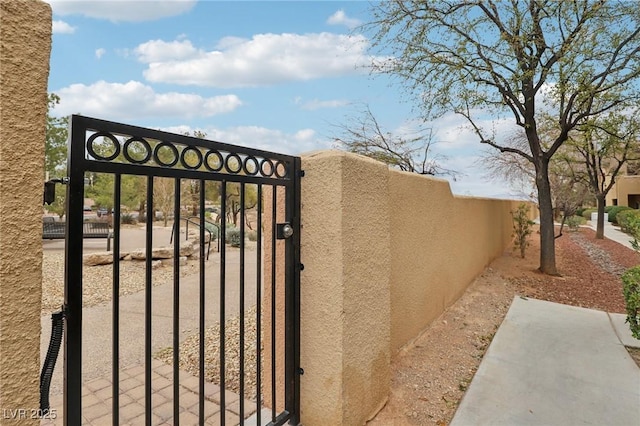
128	219
607	209
521	227
631	290
233	237
625	216
573	222
213	228
580	210
587	213
252	235
614	211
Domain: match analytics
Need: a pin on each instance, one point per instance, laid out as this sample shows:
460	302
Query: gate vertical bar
115	366
259	311
292	297
242	266
274	224
176	304
147	304
223	264
201	324
73	278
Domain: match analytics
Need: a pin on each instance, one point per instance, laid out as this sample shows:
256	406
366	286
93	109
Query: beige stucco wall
624	186
439	244
344	289
385	252
25	44
267	305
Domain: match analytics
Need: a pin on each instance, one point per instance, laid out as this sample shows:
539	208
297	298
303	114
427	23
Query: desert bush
631	279
587	213
624	216
631	290
252	235
614	211
573	222
521	228
128	219
213	228
233	237
580	210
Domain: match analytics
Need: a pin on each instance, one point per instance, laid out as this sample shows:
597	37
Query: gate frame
79	162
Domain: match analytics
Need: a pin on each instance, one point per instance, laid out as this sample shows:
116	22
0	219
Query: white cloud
100	52
453	131
158	51
122	10
341	18
266	59
473	179
61	27
315	104
116	101
301	141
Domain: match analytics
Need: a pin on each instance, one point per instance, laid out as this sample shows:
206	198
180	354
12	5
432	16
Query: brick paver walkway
97	400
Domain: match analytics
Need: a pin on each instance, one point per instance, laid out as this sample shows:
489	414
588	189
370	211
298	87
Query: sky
277	75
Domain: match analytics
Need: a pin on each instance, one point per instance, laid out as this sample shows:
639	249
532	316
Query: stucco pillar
345	294
25	45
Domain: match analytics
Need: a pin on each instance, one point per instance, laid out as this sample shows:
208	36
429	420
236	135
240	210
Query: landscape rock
156	253
99	258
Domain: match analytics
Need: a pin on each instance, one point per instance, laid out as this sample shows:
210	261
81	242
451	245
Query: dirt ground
430	376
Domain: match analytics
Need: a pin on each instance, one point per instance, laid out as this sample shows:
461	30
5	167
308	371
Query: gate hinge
301	266
301	173
301	371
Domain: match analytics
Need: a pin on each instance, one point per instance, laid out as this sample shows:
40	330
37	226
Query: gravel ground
190	355
97	288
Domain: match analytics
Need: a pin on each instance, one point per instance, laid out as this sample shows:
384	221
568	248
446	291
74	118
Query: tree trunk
600	223
547	229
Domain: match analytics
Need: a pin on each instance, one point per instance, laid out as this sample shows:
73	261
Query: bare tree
411	152
164	197
601	147
482	58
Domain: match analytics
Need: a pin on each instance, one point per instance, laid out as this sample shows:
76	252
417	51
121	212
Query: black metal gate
213	184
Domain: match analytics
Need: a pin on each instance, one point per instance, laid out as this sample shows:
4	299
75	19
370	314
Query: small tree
521	227
409	152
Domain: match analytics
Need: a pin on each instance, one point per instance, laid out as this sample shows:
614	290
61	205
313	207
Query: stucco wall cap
339	154
419	176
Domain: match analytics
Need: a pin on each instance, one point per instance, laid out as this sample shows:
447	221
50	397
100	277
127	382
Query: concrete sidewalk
614	233
553	364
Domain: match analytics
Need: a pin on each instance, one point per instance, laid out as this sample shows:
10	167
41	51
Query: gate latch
283	231
50	189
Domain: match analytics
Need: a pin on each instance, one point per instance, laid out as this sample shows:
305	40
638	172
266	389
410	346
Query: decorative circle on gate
233	163
281	170
268	171
213	161
137	157
251	166
105	135
191	158
166	147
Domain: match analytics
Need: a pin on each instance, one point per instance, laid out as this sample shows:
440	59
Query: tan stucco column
345	294
25	45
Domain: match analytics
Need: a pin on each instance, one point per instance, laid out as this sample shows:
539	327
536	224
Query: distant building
626	190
